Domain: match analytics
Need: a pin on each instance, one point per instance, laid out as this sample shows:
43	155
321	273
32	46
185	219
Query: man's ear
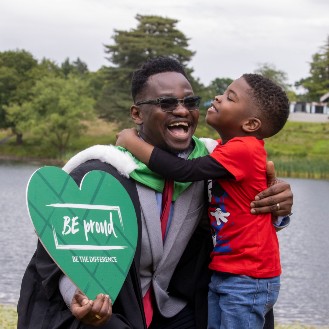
251	125
136	114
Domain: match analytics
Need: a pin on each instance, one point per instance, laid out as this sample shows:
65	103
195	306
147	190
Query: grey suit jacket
159	261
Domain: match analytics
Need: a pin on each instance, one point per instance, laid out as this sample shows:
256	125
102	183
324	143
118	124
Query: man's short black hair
272	103
150	67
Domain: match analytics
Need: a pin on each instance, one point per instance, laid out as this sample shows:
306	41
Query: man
167	284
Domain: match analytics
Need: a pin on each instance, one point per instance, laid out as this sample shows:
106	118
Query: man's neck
184	154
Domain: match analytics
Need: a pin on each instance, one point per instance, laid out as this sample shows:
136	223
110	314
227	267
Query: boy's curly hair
153	66
272	102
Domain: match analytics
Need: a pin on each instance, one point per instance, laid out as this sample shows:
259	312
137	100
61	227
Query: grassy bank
301	149
8	320
32	150
8	317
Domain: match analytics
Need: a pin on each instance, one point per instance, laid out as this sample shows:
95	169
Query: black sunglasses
169	104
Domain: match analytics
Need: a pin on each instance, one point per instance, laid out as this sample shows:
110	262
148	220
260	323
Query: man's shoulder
101	156
84	168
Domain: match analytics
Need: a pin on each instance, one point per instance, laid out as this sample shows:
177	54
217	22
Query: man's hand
277	199
94	312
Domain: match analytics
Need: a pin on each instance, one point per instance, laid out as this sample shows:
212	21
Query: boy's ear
251	125
136	115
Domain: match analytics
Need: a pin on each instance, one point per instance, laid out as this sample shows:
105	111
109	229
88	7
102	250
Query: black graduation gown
41	305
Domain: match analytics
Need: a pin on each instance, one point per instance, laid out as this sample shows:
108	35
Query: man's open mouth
179	129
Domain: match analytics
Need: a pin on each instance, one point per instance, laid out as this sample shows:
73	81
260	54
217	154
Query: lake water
304	295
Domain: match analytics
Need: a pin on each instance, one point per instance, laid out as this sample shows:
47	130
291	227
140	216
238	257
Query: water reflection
305	260
304	255
18	240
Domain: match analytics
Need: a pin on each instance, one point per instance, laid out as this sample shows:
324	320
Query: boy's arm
266	201
169	165
181	170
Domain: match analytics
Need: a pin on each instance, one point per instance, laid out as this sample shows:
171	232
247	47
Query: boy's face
171	131
231	110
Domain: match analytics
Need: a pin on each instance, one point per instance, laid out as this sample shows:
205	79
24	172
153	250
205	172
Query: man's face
170	131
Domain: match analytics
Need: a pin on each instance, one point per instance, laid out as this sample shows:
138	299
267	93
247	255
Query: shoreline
8	316
31	160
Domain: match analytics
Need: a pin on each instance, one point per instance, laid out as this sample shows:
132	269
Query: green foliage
97	132
78	67
219	86
317	84
216	87
45	68
269	71
55	112
15	80
154	36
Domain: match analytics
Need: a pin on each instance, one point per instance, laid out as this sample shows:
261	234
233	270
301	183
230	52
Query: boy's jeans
239	301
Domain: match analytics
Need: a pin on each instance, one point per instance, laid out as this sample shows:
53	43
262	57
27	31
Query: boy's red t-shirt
245	244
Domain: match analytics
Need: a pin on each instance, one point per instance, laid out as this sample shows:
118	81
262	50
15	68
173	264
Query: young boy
245	259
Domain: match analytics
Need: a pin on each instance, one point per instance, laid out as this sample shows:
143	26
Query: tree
317	84
269	71
15	80
219	86
216	87
279	77
56	111
154	36
76	68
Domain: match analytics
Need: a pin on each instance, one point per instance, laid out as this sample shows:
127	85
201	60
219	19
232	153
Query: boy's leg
268	295
244	301
214	311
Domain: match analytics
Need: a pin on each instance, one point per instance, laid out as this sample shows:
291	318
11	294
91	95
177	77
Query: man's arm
277	199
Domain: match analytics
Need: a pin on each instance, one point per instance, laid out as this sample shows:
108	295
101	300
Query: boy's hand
125	135
94	312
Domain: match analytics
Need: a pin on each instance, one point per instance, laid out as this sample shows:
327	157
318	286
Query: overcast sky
230	37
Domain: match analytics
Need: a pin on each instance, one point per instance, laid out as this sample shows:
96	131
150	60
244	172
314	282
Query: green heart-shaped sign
90	232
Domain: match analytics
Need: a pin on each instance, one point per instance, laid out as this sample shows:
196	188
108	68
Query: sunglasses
169	104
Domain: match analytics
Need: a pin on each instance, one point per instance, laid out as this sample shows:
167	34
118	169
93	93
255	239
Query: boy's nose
218	98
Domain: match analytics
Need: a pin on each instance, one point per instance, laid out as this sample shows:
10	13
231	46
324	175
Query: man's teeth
178	124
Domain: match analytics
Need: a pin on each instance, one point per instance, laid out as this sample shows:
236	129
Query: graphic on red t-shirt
218	217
